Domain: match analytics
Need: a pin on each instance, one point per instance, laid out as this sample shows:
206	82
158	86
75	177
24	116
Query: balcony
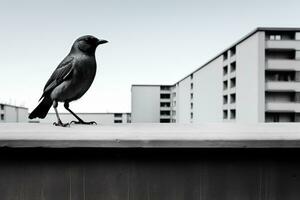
283	86
165	91
283	44
165	100
165	108
283	64
165	116
283	107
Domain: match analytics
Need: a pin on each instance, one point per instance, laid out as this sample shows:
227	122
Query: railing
293	86
282	44
283	64
283	106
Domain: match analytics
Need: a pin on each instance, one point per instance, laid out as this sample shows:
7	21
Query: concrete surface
152	135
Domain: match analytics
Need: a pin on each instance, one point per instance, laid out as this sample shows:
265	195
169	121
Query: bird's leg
80	121
59	122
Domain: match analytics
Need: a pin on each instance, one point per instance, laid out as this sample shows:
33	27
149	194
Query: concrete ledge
222	135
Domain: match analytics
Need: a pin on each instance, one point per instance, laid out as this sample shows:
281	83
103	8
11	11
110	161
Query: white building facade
257	79
10	113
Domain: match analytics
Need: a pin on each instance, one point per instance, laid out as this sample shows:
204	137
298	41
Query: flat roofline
95	113
216	135
150	85
231	46
240	41
13	106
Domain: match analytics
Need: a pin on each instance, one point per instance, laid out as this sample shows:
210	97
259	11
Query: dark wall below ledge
149	173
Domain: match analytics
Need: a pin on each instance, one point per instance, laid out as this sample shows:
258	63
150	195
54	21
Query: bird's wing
60	74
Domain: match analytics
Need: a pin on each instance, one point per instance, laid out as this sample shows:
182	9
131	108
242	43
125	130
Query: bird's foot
83	122
59	123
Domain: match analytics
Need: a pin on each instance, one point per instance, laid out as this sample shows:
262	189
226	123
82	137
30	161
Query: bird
70	80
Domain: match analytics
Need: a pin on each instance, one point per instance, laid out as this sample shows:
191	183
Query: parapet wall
150	161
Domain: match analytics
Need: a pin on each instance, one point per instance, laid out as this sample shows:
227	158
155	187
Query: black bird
70	80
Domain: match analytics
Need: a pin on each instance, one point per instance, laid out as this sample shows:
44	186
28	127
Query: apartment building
257	79
99	118
10	113
152	103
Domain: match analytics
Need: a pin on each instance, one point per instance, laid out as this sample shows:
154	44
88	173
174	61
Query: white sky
151	42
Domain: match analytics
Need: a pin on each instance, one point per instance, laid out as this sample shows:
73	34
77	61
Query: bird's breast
83	76
85	71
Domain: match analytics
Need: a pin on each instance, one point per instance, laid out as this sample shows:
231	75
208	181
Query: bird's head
87	44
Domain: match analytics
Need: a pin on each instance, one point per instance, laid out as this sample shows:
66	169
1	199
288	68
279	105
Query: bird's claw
83	122
61	124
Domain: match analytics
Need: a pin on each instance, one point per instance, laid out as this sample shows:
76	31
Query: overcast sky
151	42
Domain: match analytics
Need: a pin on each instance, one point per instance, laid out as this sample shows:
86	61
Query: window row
232	52
232	114
165	96
232	68
165	104
232	83
232	98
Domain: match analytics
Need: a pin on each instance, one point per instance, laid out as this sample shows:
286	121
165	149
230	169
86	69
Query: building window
117	121
192	76
225	70
173	112
165	104
192	86
232	82
173	94
2	107
232	98
165	96
225	99
233	67
225	56
2	116
118	115
232	51
165	120
225	114
164	88
192	115
225	85
192	105
275	37
276	118
165	113
192	96
232	114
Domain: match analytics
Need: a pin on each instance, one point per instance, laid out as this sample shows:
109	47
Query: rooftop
279	29
221	135
14	106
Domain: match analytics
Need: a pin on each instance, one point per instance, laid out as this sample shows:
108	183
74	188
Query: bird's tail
42	109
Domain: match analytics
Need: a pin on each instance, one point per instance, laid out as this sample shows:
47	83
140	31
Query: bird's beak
102	42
